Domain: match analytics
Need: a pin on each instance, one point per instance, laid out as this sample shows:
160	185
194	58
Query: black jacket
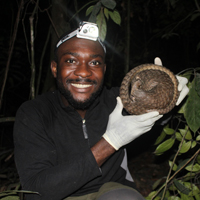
53	156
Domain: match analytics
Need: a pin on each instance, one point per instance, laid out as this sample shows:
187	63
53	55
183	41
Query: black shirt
52	153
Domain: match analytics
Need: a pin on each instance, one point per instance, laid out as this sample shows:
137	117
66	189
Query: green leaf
198	138
156	184
194	143
11	198
173	198
106	13
186	131
197	83
101	22
166	145
89	10
109	4
178	136
198	159
169	131
181	187
185	147
194	16
151	195
189	176
185	197
94	13
192	109
115	16
174	166
160	138
182	163
193	167
194	189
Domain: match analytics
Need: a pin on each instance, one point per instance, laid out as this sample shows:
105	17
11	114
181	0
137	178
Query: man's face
79	71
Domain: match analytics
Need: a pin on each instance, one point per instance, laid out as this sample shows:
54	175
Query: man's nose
83	70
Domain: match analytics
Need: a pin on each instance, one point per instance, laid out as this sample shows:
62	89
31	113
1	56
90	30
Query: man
69	143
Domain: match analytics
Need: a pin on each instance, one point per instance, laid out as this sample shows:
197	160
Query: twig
41	61
197	152
32	82
7	119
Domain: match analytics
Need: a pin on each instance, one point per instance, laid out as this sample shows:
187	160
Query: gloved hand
121	130
182	87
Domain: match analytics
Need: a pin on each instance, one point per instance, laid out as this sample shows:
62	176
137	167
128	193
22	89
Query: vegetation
182	136
134	32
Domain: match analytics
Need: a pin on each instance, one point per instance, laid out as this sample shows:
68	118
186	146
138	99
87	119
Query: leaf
115	16
169	131
193	167
166	145
189	176
178	136
174	166
89	10
194	143
198	159
185	197
94	13
188	135
101	22
181	187
192	109
11	198
160	138
109	4
185	147
194	189
157	183
173	198
181	164
194	16
106	13
197	83
198	138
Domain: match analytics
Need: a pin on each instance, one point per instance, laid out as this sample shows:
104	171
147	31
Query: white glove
121	130
182	87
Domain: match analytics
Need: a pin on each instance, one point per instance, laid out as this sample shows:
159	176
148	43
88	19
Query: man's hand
182	87
121	130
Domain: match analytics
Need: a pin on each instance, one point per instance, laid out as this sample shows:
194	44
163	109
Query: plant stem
196	153
32	82
168	177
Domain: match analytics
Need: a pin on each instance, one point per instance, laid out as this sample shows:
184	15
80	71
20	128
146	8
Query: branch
197	152
7	119
11	50
32	82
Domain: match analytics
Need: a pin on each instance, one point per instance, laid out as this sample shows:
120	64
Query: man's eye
95	63
70	61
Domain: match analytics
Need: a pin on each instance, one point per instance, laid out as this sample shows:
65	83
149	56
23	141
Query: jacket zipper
84	129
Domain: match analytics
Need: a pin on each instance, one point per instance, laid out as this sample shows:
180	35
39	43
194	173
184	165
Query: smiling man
79	71
69	144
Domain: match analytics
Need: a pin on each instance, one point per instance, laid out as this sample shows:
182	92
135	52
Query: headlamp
86	30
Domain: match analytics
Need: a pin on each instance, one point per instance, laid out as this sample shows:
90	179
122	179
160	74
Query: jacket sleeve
36	161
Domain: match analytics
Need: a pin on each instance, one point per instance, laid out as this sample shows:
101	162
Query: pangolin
149	87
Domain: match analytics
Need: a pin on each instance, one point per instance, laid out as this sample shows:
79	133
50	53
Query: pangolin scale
149	87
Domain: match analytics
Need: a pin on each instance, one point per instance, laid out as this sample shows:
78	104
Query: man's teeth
81	85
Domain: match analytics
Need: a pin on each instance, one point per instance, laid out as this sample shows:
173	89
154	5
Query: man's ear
104	68
54	68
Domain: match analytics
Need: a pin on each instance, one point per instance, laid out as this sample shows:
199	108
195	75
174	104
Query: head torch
86	30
